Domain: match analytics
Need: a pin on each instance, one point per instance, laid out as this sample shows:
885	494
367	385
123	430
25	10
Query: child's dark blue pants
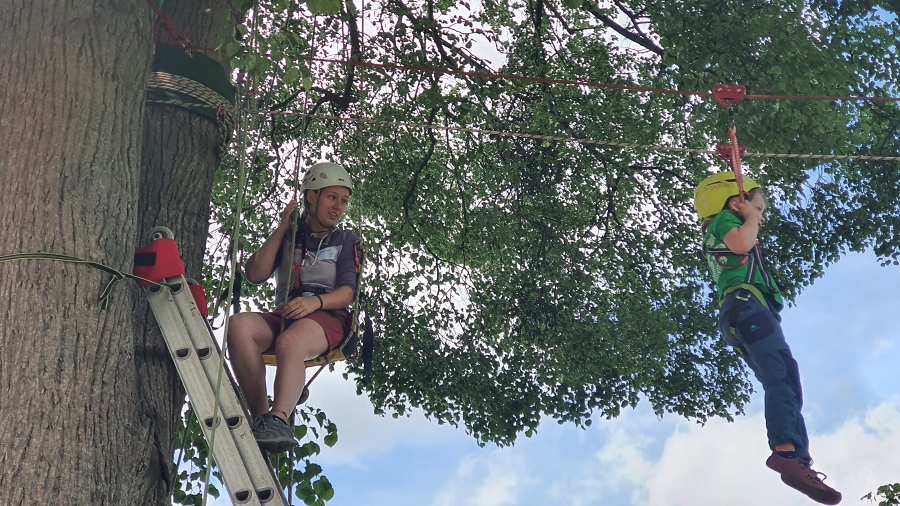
755	332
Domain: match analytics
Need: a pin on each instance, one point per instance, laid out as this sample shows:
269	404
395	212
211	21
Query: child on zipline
749	302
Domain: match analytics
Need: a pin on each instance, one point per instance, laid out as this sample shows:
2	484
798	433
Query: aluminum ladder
247	475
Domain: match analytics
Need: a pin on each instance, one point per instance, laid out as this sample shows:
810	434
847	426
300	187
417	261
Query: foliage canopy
512	278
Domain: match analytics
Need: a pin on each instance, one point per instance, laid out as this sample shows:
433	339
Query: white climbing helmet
325	174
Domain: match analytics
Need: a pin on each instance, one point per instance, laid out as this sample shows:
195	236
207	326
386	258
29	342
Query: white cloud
686	464
362	435
724	463
717	464
492	480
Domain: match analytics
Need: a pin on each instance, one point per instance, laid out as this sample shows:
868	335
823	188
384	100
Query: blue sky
843	335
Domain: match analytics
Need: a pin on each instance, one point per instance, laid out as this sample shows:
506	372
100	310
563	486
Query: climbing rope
184	92
569	82
295	225
117	275
736	161
238	208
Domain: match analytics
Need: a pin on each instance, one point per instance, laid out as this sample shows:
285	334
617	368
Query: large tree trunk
179	161
73	77
88	398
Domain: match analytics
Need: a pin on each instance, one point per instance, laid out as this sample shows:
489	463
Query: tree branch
636	38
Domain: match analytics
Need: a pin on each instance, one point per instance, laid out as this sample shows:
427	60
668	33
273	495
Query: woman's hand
287	215
301	307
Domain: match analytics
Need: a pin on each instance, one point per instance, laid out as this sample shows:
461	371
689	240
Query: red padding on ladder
158	261
200	298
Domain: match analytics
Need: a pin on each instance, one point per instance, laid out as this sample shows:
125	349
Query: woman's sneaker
799	474
273	434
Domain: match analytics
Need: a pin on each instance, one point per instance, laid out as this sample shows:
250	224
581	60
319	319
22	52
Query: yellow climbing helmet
712	194
325	174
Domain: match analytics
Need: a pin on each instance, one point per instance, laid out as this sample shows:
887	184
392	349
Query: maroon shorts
334	323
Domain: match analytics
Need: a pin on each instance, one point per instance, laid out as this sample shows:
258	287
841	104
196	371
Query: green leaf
321	486
291	76
324	7
233	48
311	448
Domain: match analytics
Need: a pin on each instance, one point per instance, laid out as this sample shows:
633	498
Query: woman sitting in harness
311	309
749	301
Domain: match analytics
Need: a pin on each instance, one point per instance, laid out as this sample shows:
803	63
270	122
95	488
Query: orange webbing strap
736	161
729	95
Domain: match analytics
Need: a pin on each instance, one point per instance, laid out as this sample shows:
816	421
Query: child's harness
722	257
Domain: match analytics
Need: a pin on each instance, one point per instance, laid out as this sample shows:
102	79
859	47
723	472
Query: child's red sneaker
799	474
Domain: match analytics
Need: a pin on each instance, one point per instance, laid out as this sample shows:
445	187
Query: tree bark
71	102
89	400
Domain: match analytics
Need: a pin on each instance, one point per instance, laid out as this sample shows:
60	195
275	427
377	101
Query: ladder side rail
237	480
258	468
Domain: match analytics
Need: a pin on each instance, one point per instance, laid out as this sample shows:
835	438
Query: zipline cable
570	82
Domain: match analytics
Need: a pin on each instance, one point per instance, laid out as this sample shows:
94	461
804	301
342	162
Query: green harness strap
755	291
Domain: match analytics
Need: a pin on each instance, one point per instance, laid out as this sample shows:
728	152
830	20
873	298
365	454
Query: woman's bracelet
321	302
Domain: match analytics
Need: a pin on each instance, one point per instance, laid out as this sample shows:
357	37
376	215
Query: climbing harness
348	348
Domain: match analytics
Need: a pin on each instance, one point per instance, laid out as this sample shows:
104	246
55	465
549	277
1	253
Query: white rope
576	140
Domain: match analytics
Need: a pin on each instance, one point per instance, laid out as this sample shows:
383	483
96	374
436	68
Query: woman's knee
247	327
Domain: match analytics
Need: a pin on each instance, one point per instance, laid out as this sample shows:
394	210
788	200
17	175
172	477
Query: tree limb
636	38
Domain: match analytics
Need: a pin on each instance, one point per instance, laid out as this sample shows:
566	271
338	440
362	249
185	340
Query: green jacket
732	271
